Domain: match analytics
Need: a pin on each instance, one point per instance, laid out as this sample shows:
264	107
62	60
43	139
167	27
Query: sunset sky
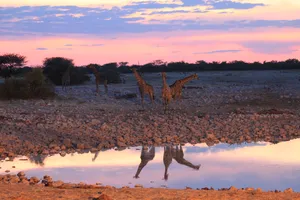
102	31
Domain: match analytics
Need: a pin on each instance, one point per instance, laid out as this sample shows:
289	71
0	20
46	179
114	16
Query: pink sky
189	46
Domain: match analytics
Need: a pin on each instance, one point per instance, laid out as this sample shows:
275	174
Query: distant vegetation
33	85
23	82
54	68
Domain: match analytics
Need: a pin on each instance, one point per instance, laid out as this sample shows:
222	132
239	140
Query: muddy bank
20	187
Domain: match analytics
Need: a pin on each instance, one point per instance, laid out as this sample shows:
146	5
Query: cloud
64	49
220	51
83	45
97	45
41	49
150	5
275	47
139	16
235	5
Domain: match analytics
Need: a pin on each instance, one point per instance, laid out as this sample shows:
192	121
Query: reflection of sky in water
264	165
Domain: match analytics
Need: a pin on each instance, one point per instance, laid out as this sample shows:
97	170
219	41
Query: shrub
79	76
33	86
108	71
54	69
113	76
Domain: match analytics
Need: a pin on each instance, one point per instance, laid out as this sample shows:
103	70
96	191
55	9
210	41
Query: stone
80	146
67	143
138	186
103	197
288	190
63	153
232	188
21	174
34	180
57	183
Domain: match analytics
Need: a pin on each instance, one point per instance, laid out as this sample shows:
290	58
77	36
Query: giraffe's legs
142	96
97	87
165	106
105	86
151	95
142	99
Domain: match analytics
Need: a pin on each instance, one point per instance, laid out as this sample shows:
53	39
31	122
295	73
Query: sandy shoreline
20	187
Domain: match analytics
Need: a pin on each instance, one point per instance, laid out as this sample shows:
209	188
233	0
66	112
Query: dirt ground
27	192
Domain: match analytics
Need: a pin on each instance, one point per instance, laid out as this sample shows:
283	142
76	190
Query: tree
122	64
58	62
111	72
55	67
8	63
158	63
201	62
292	61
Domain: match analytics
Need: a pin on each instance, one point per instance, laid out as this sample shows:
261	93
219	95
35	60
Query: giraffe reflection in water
170	153
146	156
167	160
178	155
95	156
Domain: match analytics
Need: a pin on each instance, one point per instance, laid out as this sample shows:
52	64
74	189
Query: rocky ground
20	187
211	111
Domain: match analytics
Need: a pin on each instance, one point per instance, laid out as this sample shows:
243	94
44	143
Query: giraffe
66	78
167	160
144	87
178	155
97	78
176	87
95	156
146	156
166	92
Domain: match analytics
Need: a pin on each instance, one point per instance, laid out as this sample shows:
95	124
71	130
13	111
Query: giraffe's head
163	74
90	66
196	76
132	69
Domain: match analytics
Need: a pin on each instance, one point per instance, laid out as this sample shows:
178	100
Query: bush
79	76
33	86
113	76
107	71
54	69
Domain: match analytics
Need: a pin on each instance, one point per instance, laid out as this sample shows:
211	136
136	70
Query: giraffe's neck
95	71
164	81
68	71
139	79
187	79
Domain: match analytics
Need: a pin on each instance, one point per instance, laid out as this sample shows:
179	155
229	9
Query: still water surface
264	165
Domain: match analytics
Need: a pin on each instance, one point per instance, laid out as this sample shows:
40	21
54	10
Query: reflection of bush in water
37	159
221	147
